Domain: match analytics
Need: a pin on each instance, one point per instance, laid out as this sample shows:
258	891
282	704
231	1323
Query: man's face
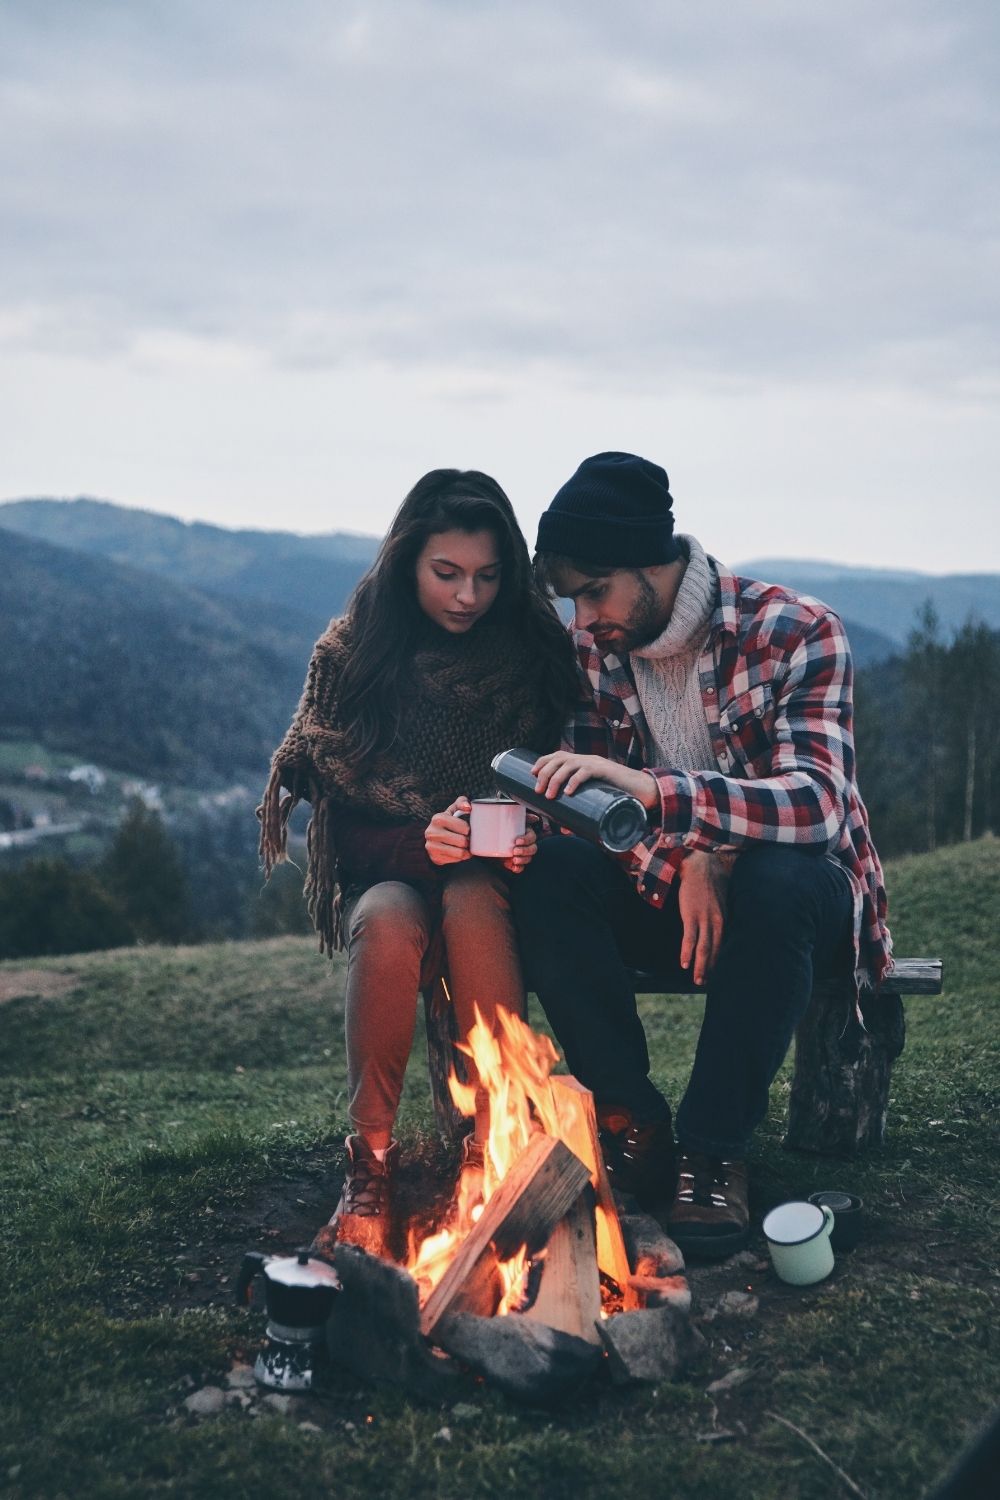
623	610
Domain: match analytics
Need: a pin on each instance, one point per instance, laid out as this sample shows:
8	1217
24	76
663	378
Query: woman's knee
475	892
391	914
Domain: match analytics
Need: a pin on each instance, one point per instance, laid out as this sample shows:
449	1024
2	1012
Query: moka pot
299	1293
597	810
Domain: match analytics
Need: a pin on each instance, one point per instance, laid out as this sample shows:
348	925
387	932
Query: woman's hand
446	837
525	846
565	770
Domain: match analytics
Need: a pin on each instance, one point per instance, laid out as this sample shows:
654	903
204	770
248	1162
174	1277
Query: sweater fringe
322	893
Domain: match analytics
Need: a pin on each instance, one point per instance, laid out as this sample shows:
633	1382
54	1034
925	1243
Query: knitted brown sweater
464	698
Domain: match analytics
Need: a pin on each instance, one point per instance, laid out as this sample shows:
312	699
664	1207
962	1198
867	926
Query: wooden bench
840	1087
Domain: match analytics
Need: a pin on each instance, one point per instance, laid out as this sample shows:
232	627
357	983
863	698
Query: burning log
536	1193
569	1295
578	1128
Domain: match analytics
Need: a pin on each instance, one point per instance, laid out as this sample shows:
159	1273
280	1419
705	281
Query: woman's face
458	578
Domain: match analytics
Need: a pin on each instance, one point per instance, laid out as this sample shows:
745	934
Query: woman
447	654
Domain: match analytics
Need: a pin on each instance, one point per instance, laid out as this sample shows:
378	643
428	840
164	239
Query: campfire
534	1276
543	1185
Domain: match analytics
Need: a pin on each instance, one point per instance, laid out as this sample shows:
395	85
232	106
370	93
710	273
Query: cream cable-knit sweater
666	672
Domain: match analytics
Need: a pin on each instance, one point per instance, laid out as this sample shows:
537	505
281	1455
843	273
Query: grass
171	1107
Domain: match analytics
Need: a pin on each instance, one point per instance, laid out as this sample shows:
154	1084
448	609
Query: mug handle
829	1216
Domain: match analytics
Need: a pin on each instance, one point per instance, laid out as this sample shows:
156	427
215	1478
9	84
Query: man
724	706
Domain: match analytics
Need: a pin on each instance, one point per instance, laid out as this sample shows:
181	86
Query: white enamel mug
798	1237
494	824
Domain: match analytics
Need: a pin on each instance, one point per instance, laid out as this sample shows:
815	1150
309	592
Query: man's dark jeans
582	927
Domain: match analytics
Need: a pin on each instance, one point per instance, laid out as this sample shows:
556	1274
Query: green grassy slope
150	1114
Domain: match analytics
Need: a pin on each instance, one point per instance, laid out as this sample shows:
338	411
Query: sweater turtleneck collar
687	627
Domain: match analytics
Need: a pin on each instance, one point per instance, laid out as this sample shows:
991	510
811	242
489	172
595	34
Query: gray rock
276	1402
737	1305
239	1398
527	1360
651	1251
464	1411
310	1427
240	1378
747	1260
729	1381
657	1291
374	1328
652	1344
207	1402
443	1435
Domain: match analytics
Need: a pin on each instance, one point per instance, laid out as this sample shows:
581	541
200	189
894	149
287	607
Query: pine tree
143	872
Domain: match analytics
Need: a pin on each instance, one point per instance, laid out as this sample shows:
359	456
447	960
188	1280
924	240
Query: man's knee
774	885
562	866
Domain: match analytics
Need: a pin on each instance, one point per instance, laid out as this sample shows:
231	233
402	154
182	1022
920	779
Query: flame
511	1064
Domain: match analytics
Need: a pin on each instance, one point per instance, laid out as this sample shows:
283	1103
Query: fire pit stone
374	1328
651	1251
650	1345
526	1360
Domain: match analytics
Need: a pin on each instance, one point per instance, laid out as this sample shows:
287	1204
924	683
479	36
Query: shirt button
710	692
656	898
758	713
615	723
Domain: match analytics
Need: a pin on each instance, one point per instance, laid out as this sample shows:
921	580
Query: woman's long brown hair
385	613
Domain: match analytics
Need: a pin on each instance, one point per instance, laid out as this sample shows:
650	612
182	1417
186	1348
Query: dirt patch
36	984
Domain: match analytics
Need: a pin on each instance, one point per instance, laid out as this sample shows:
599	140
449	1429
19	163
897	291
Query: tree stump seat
840	1087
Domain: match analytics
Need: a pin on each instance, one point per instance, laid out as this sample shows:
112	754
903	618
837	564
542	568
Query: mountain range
178	649
885	600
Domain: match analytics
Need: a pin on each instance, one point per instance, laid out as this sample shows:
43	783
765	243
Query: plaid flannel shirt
776	685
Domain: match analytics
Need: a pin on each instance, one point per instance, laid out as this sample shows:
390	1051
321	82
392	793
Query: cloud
740	188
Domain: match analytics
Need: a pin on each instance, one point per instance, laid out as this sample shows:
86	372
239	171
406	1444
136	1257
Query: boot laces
703	1180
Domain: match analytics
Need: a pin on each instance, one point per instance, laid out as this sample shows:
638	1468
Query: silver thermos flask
596	811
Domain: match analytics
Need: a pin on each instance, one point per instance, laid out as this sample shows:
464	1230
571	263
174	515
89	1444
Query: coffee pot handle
253	1263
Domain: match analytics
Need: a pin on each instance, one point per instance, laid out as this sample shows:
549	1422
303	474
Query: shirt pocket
747	725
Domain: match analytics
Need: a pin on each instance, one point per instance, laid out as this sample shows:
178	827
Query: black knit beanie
615	511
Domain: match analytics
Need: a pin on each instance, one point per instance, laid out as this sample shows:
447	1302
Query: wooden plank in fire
569	1294
578	1123
541	1186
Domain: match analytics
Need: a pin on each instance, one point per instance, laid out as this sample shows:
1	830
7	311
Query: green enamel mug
798	1237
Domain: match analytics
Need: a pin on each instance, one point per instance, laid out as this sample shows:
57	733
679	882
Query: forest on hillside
927	727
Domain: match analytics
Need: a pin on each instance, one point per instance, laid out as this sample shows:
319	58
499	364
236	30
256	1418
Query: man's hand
702	904
525	846
446	837
564	771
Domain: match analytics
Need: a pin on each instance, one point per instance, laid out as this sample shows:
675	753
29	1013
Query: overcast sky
263	264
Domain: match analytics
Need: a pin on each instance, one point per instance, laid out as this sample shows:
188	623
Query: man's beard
644	621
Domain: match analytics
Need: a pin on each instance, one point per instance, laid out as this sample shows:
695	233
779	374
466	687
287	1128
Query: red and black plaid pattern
776	685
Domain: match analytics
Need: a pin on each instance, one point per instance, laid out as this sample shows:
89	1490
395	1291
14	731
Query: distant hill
314	575
139	673
309	577
884	599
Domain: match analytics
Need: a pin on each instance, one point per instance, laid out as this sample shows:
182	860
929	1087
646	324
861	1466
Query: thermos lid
833	1198
301	1270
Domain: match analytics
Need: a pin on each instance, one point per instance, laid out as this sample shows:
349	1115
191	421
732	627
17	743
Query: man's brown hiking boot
363	1216
639	1158
710	1215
